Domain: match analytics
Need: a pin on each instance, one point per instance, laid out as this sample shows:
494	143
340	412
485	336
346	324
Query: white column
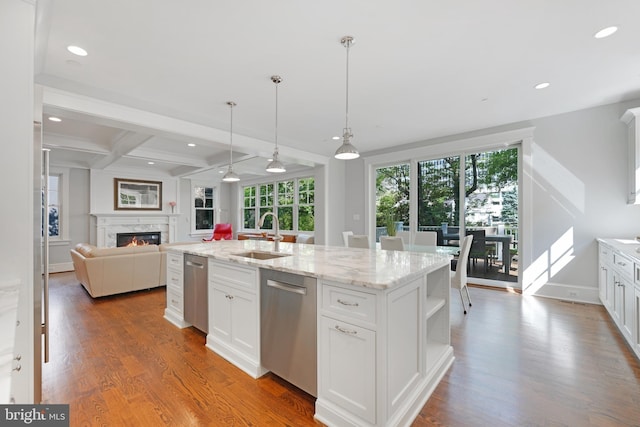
17	21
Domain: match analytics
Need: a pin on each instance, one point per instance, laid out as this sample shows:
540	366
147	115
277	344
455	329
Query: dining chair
479	247
345	237
358	241
459	276
221	232
405	235
426	238
389	243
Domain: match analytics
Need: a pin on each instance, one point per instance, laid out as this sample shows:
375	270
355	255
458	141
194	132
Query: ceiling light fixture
55	119
191	144
542	85
231	176
605	32
151	163
275	166
76	50
347	151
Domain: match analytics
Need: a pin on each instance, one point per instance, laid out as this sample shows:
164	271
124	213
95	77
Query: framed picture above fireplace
134	194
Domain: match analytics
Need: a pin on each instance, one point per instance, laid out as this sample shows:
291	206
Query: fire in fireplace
138	238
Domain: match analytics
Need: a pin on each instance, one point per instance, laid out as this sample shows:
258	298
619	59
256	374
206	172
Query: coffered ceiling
418	70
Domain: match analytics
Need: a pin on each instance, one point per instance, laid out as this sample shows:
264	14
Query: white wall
78	221
102	189
579	193
17	20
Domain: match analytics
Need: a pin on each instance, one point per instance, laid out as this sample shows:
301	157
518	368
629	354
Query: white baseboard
582	294
61	267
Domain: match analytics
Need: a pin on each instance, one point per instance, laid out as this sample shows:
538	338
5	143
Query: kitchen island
383	333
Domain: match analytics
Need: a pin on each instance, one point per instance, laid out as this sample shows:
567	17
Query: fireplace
138	238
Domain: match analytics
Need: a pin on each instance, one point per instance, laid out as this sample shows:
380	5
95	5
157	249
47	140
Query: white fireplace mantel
108	225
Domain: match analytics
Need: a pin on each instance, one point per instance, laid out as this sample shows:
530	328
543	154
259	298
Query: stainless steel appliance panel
288	327
195	291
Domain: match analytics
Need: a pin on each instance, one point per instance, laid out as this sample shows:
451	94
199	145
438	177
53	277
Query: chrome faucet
277	237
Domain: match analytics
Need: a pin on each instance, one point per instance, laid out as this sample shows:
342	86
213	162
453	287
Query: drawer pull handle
622	264
350	304
174	301
228	296
346	331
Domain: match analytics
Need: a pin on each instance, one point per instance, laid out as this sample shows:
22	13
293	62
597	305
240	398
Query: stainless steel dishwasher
195	291
288	343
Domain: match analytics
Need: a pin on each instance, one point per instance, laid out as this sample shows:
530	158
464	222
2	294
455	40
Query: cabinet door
628	309
623	305
244	321
636	321
347	365
605	281
220	312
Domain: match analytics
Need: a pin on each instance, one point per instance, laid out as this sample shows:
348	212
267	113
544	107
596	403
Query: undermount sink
260	255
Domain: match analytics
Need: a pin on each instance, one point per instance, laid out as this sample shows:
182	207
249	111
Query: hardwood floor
520	361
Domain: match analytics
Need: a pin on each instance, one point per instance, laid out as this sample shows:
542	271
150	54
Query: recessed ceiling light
605	32
151	163
542	85
191	144
55	119
76	50
221	171
335	138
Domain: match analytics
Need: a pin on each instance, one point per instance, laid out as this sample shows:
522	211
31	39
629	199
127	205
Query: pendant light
231	176
347	151
276	166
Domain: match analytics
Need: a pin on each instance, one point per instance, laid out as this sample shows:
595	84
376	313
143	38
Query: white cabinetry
619	289
379	349
605	281
174	312
631	118
234	315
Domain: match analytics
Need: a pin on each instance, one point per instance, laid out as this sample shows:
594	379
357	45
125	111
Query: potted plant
391	225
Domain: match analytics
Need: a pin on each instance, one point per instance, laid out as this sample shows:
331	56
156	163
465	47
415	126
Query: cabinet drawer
174	260
606	254
623	264
352	304
174	278
174	300
245	277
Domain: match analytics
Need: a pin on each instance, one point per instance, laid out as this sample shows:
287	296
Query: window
204	208
58	206
291	200
54	205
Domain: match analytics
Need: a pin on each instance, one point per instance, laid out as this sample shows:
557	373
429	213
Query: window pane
266	195
438	193
392	199
54	222
285	215
204	219
249	218
285	193
268	221
306	221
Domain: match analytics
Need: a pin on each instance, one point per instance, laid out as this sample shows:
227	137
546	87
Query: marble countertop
370	268
628	247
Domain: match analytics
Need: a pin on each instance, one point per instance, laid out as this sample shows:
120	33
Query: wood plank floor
520	361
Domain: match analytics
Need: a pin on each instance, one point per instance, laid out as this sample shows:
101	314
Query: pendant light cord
276	117
231	136
346	120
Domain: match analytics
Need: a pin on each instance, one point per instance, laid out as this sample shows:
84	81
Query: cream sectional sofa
109	271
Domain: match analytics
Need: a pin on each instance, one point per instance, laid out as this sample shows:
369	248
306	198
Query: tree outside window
292	201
